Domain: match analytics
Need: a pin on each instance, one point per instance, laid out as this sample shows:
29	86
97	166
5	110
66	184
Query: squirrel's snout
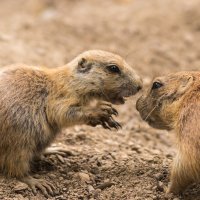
139	88
138	83
138	103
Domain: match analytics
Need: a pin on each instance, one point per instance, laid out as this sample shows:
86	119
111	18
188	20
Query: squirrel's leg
17	164
181	175
98	115
101	114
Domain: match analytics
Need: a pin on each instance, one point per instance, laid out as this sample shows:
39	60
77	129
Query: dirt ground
155	37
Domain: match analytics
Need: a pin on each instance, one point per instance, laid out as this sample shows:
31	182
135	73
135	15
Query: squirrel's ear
83	65
185	84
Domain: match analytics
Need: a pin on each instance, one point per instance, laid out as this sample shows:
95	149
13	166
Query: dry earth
156	37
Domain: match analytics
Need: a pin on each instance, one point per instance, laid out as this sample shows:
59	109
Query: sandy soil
156	37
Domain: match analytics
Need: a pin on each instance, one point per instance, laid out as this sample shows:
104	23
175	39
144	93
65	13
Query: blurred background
156	37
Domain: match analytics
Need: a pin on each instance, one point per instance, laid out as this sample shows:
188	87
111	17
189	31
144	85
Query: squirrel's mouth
121	97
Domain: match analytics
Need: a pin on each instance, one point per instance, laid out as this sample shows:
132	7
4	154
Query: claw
112	123
45	187
112	111
117	124
33	188
105	126
103	116
115	112
49	187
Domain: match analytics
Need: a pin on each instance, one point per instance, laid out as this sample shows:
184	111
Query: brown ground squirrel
36	103
173	102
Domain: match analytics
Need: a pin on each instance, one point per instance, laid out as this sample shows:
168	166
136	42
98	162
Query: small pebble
84	177
96	193
160	186
90	188
52	176
20	187
158	176
105	185
18	196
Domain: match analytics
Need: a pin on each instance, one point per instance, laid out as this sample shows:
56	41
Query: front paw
102	115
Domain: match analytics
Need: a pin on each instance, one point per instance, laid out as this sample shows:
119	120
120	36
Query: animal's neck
72	86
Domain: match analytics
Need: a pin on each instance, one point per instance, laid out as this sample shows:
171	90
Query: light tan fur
37	102
176	105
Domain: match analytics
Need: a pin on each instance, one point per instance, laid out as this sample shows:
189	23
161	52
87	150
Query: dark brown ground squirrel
36	103
173	102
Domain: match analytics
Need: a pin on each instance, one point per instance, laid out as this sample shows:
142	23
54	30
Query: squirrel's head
105	76
161	104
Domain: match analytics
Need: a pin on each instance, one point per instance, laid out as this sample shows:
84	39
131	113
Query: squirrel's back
23	98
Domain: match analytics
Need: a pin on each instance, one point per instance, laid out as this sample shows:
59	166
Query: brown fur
176	105
36	103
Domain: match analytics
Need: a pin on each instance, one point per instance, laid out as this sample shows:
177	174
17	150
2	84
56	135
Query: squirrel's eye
156	85
113	68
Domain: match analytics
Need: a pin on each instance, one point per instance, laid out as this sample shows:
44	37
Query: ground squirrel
173	102
36	103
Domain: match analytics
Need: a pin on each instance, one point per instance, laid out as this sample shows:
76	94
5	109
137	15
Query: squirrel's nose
139	88
139	83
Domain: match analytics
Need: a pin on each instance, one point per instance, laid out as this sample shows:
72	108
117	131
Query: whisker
157	103
129	53
150	112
